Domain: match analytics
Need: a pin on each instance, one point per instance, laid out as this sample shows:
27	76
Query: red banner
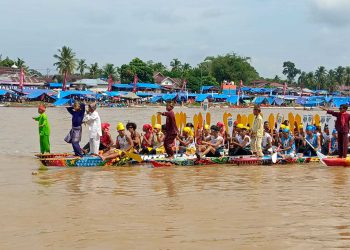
136	79
64	88
21	79
184	85
110	82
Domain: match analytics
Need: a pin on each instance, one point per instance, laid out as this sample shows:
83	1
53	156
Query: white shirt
267	137
94	122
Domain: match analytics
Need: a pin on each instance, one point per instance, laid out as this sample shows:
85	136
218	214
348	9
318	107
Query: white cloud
331	12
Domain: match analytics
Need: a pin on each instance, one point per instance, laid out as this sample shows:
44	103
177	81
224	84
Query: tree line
213	70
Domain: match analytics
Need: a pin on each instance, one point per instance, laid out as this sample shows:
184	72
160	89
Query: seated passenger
266	143
313	139
334	143
186	141
135	136
287	147
215	146
241	143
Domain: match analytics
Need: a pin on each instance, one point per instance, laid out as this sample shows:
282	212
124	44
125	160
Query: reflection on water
219	207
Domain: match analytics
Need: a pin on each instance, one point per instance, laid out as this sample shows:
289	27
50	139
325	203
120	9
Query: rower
287	146
216	144
313	139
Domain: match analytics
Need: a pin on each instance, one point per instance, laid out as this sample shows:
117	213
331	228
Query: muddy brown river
218	207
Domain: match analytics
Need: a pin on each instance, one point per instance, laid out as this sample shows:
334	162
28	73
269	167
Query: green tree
82	66
302	80
321	77
20	63
290	71
310	80
347	75
143	71
175	65
331	81
66	63
7	62
94	70
156	67
340	75
110	70
230	67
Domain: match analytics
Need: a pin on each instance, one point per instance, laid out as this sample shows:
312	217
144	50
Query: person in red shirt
171	130
342	127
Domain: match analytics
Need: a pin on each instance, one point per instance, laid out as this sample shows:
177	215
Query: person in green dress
44	130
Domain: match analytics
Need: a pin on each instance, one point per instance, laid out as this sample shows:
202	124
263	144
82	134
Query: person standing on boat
92	119
342	127
74	135
171	130
44	130
257	132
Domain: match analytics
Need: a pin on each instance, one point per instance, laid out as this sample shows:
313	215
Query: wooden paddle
271	122
228	118
291	122
184	119
200	120
208	118
317	119
298	120
134	156
224	119
153	120
181	123
279	121
250	120
195	122
239	118
159	119
177	119
244	120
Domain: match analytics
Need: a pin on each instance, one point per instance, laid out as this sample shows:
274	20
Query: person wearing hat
92	119
74	135
44	130
135	136
122	143
240	145
171	130
146	143
215	146
106	141
333	150
257	132
158	140
325	140
342	127
313	139
287	145
222	131
186	141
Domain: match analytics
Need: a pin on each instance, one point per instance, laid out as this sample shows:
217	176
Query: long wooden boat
66	160
336	162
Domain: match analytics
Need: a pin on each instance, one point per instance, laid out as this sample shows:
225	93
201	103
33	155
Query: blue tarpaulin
229	91
232	99
144	94
337	101
3	92
147	86
57	85
115	93
70	93
122	86
169	97
202	97
37	93
155	99
207	88
278	101
220	96
62	101
260	100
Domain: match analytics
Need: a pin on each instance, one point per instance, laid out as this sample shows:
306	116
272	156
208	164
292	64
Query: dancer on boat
147	143
186	141
342	127
135	136
333	150
215	147
74	135
44	130
257	132
123	143
170	129
92	119
314	140
286	147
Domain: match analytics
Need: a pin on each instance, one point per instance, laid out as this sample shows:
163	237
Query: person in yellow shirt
257	132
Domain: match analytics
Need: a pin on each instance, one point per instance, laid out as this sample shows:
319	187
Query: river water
218	207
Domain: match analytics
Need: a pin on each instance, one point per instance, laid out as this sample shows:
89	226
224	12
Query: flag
110	82
184	85
136	79
240	87
284	88
64	81
21	79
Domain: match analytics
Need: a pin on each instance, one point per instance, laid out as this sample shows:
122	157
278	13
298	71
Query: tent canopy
130	95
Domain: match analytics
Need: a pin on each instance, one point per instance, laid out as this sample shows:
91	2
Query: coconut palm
66	63
321	76
310	79
347	75
81	66
332	80
302	79
175	64
340	75
94	70
110	71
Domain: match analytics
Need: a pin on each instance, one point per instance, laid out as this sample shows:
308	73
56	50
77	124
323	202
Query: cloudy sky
307	32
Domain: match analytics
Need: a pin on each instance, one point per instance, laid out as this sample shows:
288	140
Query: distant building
167	83
9	79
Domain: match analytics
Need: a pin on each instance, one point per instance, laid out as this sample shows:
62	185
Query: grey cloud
331	12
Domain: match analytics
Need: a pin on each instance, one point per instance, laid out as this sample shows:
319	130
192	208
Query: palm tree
310	79
175	64
94	70
347	75
332	80
321	76
340	75
81	66
110	71
302	79
20	63
66	63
